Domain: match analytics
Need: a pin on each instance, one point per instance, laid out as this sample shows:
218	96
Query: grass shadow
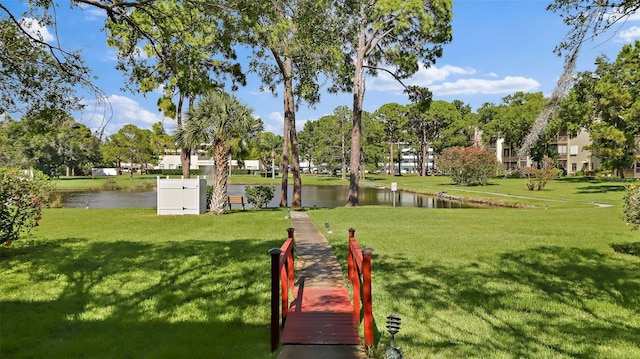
603	188
576	179
123	299
627	248
540	302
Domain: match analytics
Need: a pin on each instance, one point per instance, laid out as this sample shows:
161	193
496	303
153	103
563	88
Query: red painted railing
282	280
359	273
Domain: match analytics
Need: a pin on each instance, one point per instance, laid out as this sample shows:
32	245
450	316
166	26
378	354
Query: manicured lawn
483	283
130	284
111	182
499	283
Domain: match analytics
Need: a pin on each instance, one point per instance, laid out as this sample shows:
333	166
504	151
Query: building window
574	150
506	152
574	166
562	150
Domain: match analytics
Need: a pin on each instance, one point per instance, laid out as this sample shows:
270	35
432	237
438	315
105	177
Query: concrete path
319	276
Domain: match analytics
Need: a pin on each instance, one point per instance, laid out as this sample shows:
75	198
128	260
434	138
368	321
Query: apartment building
205	163
572	156
409	160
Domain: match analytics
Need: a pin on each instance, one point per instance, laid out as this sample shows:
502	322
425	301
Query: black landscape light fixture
393	327
326	224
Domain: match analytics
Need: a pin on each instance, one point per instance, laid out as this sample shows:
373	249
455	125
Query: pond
320	196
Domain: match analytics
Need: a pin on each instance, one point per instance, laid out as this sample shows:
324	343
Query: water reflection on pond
321	196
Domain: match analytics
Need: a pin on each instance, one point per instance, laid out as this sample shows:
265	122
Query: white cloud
35	29
424	77
507	85
160	90
129	110
617	15
274	122
110	56
121	111
435	79
92	13
630	34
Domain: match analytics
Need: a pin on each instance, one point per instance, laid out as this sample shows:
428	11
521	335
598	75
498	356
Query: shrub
537	178
174	172
22	196
259	196
209	194
468	165
241	172
632	205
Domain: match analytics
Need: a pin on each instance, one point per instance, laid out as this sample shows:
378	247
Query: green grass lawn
103	182
484	282
130	284
499	283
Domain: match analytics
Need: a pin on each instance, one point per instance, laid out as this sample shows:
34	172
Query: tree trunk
356	131
220	175
290	118
343	155
362	164
285	164
273	163
185	153
392	171
425	152
131	167
296	201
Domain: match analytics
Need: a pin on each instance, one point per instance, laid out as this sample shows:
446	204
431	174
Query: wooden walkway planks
321	316
320	322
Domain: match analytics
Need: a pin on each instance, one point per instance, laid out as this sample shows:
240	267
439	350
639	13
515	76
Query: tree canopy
35	75
586	19
607	103
394	37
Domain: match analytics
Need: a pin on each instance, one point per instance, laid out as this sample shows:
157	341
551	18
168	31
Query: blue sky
498	48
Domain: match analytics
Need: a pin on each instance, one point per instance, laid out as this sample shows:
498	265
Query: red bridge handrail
282	280
359	273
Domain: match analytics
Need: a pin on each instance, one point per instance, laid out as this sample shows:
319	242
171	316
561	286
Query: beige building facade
573	157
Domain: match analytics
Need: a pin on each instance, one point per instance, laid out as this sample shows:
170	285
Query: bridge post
367	298
275	296
350	261
290	260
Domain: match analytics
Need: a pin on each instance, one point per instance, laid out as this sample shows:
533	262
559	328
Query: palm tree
219	119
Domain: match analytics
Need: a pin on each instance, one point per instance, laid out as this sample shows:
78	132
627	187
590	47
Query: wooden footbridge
312	313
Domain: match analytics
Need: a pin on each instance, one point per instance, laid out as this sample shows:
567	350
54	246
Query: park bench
236	200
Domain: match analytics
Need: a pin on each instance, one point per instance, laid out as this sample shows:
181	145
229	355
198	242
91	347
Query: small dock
320	321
